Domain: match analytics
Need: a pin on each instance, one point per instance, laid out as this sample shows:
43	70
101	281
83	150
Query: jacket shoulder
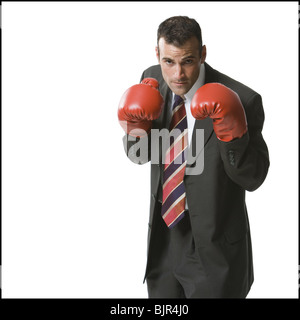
153	72
245	93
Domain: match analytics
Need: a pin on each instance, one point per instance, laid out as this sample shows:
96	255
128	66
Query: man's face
180	65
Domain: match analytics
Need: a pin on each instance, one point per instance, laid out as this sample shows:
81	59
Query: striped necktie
173	205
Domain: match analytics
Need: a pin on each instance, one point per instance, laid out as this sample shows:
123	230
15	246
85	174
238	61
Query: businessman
199	243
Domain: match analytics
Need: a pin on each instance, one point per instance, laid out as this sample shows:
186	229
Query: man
199	243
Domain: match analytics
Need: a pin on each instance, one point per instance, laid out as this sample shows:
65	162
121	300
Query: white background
74	208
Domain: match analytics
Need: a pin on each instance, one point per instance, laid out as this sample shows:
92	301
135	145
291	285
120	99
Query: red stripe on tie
175	212
173	183
175	150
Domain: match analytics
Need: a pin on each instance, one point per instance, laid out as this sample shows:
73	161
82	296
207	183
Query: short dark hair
178	29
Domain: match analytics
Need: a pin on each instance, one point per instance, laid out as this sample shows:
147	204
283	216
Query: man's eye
169	62
189	61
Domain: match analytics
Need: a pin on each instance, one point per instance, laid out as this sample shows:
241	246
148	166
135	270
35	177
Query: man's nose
179	71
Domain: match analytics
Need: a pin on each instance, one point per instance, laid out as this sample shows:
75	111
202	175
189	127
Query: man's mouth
180	82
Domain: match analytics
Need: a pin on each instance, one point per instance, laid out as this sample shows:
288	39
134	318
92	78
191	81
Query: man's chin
179	90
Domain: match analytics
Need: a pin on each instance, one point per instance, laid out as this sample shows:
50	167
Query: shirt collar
199	83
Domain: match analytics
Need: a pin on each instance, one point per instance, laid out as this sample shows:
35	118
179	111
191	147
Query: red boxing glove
139	105
224	106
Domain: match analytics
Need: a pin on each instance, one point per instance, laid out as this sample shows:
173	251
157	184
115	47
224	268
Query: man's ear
157	53
203	54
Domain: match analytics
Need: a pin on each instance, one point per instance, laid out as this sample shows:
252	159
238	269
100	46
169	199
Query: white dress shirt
188	99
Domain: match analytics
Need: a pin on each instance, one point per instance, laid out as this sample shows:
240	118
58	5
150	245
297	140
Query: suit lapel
205	125
197	146
163	120
167	94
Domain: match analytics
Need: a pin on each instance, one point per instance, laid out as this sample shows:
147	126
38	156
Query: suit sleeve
246	160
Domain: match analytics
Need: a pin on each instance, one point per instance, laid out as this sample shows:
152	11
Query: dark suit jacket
216	197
